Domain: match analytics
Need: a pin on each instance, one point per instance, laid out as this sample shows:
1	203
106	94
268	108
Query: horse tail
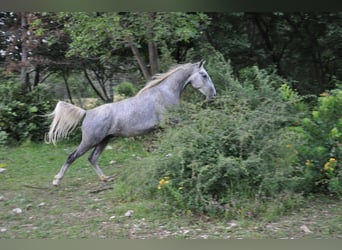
65	119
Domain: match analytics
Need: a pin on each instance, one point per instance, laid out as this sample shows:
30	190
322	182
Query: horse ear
202	62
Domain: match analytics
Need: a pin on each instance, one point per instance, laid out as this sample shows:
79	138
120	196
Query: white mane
158	78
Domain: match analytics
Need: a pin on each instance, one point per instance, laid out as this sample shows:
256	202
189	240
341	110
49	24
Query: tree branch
101	82
139	59
92	85
67	87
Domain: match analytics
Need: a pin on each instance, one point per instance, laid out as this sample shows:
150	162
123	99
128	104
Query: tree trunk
101	81
93	86
153	57
36	76
67	88
140	60
265	35
111	91
152	47
23	71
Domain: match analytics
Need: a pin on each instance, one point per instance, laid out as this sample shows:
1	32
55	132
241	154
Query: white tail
65	119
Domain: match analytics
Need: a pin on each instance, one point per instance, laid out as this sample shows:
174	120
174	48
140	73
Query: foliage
233	151
141	34
321	152
22	115
126	89
302	46
103	45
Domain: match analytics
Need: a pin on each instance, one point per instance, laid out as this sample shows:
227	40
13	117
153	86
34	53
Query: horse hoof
103	178
55	182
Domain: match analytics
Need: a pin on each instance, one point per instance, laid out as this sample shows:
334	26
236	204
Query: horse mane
158	78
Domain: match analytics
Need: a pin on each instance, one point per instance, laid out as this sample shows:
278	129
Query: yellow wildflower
162	182
326	166
332	159
330	164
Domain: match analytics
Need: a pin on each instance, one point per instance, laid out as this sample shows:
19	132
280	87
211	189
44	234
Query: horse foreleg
95	156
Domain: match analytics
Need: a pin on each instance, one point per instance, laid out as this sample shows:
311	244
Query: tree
147	35
26	48
101	46
299	46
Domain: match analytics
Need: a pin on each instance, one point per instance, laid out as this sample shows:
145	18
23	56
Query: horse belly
134	117
134	126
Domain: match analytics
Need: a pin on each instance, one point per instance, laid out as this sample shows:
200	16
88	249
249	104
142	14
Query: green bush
126	89
21	114
236	150
321	151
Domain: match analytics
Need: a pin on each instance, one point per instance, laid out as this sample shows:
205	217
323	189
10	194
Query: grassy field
82	207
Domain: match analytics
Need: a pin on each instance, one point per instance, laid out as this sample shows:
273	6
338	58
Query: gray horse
130	117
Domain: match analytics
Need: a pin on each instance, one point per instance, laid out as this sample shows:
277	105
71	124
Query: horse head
201	80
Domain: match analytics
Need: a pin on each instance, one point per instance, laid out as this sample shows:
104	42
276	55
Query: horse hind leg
95	156
71	158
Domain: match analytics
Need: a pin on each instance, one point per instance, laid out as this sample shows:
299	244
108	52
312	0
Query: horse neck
175	84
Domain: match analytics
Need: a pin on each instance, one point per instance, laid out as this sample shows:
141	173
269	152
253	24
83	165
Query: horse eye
204	75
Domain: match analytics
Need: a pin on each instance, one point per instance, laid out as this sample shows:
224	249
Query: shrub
237	148
321	151
3	137
126	89
21	113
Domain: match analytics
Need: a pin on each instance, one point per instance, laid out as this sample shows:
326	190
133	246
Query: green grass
72	210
